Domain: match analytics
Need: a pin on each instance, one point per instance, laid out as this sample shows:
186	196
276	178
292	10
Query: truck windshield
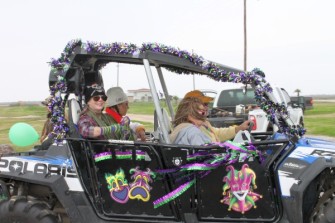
235	97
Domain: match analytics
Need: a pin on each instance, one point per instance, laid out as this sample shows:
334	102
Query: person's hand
141	135
243	126
125	121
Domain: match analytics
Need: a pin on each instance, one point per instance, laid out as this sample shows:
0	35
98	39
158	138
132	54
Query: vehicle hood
317	143
308	141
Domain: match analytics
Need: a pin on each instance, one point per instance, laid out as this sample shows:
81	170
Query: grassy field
321	119
318	121
33	114
145	108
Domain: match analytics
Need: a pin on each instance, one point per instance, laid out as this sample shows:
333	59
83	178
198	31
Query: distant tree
298	92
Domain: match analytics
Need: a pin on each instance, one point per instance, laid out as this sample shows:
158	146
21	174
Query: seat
74	114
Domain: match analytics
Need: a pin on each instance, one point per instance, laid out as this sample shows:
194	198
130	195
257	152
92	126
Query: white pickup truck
260	119
239	104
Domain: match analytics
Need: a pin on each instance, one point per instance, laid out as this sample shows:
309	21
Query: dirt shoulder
143	118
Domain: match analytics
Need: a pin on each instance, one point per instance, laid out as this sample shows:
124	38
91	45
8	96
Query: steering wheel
251	124
244	136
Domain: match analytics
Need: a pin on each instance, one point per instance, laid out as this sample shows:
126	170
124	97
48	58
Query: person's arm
110	131
222	134
243	126
117	131
87	129
229	133
139	130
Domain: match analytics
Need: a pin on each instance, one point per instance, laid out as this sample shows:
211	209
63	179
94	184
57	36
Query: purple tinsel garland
255	77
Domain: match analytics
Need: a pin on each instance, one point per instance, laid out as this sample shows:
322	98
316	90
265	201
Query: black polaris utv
281	177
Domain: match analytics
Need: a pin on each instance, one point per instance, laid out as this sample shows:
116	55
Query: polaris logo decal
20	166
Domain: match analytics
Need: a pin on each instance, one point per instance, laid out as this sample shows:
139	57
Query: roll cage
80	64
85	66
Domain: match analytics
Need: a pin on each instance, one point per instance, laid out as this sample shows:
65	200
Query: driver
190	116
215	134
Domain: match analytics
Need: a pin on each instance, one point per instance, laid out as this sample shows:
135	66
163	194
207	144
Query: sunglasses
97	98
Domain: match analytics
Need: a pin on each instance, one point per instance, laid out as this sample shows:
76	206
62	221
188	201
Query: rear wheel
21	209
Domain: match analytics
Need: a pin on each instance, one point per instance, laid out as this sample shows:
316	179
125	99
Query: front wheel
21	209
324	211
301	123
318	199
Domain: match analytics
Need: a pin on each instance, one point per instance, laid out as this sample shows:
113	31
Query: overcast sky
292	41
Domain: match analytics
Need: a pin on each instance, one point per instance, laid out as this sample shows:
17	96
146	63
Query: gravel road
143	118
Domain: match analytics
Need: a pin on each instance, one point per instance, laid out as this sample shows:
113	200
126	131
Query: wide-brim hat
115	96
198	94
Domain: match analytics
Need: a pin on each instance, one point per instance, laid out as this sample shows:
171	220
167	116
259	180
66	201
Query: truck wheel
301	123
324	211
20	209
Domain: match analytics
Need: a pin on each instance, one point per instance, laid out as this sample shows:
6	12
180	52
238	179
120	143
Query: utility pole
245	35
193	77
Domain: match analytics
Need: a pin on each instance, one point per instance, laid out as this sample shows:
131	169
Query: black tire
324	211
301	123
318	198
20	209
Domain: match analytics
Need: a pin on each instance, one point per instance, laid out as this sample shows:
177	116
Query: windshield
235	97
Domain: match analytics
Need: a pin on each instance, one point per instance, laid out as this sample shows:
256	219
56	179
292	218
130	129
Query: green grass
145	108
318	121
142	108
320	126
321	108
321	119
24	110
34	115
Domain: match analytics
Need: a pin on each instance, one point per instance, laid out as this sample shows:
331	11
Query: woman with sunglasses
93	123
117	107
190	116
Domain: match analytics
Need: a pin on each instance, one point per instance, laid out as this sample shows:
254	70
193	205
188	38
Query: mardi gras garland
255	78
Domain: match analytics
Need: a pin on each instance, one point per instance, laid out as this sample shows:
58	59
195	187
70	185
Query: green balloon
22	134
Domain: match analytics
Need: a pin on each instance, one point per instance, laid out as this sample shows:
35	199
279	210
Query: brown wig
186	107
